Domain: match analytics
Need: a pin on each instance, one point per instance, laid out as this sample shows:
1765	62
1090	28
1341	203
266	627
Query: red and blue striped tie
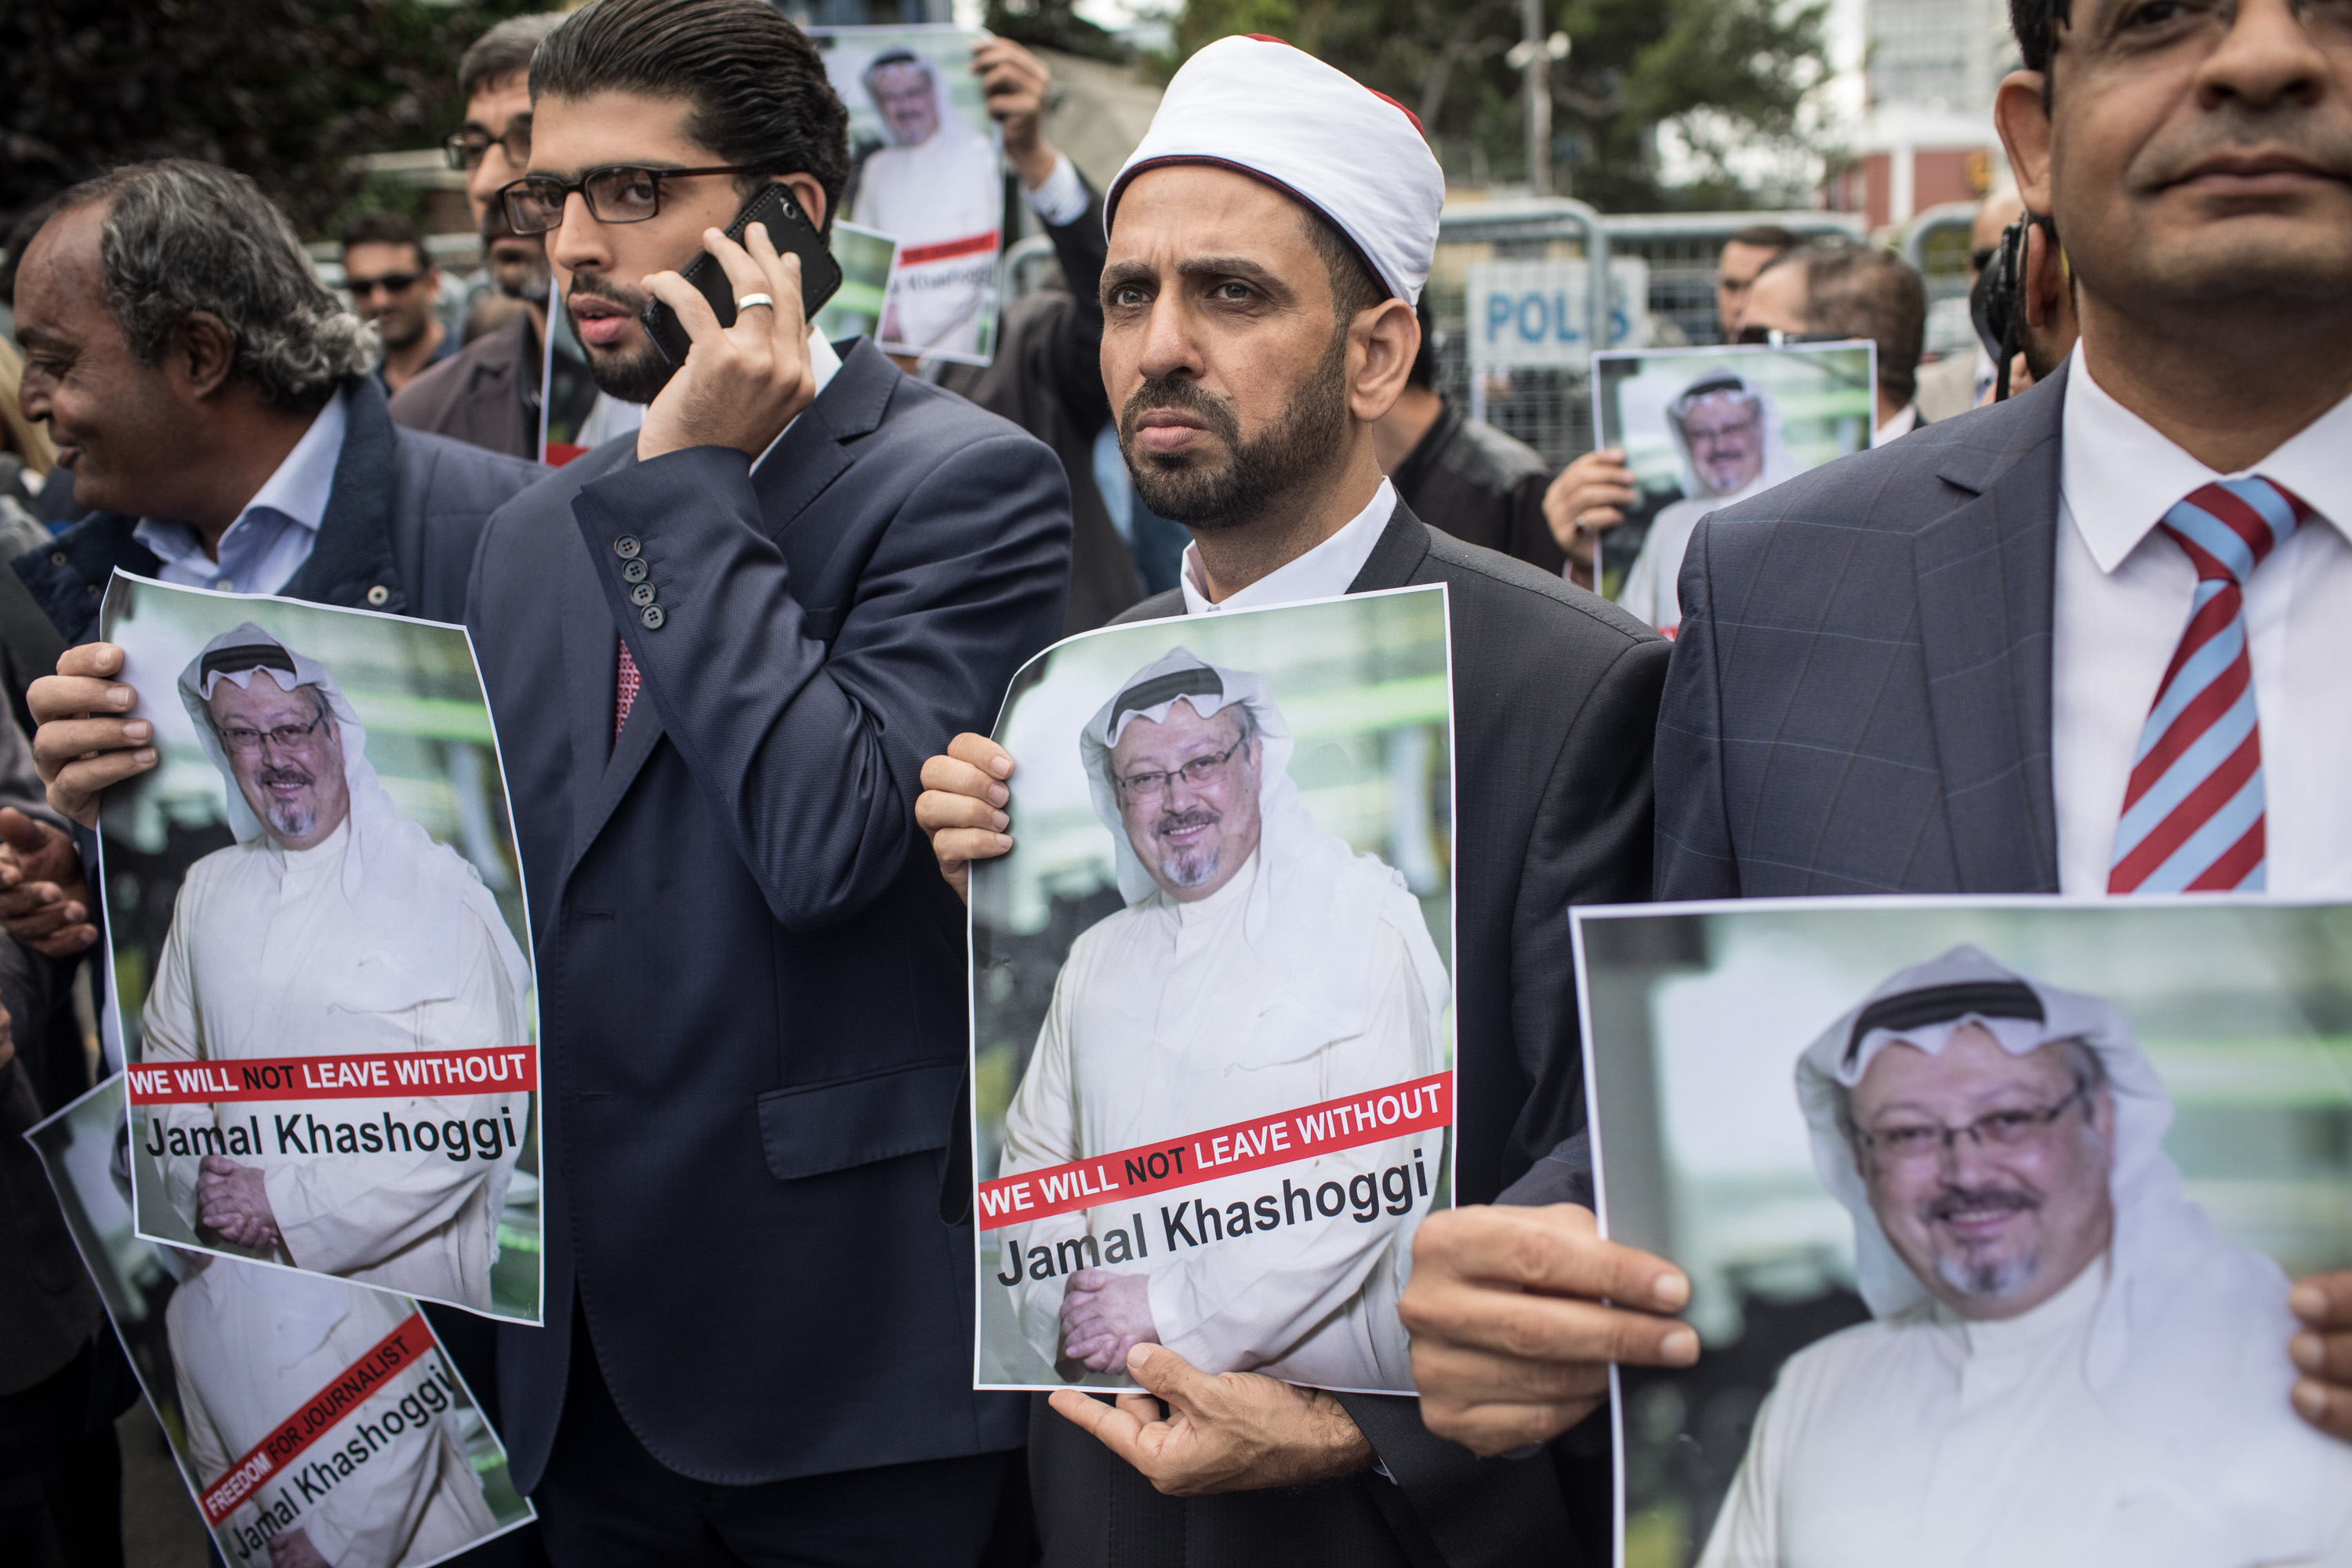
2193	814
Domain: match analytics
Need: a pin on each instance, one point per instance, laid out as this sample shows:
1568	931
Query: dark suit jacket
752	978
1860	697
1483	487
1555	699
1047	379
398	535
477	394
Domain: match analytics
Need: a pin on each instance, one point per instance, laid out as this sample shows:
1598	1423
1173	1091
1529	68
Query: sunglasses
1777	338
615	193
390	283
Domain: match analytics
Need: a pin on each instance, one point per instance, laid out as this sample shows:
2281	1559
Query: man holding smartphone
718	649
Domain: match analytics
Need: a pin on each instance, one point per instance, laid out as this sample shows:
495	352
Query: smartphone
789	230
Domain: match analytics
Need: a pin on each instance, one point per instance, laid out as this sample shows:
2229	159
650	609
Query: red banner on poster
396	1075
390	1356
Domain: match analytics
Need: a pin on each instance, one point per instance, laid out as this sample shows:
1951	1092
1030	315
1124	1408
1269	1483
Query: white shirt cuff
1062	199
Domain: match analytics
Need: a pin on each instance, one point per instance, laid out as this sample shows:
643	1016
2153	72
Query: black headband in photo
242	657
1145	695
1942	1003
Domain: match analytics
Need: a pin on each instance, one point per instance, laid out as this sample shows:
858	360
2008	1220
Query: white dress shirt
2123	592
1899	423
1323	572
268	541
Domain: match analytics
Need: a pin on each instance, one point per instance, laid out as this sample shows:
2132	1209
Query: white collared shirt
2123	592
1323	572
1900	423
268	540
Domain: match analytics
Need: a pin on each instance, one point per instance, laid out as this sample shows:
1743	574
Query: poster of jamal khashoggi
322	972
1213	1052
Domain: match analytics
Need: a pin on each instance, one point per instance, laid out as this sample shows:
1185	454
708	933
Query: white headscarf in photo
1315	904
401	884
2187	1348
1354	156
952	126
1778	464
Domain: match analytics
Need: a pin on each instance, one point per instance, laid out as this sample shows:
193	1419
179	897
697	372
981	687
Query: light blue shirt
271	538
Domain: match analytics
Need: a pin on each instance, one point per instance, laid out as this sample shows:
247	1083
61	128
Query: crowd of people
743	650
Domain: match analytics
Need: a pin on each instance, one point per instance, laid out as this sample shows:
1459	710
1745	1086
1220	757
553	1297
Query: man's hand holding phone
740	386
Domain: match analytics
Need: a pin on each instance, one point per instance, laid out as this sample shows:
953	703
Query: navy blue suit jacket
752	985
1859	701
403	518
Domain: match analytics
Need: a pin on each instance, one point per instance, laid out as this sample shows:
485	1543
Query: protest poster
1212	1028
1705	428
312	1420
321	971
1991	1208
928	174
865	259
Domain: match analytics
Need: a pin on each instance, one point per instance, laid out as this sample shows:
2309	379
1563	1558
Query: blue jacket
753	980
399	533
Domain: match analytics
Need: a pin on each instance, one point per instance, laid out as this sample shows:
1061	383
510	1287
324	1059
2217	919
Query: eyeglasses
615	193
1917	1144
1148	786
390	283
1703	434
466	149
286	737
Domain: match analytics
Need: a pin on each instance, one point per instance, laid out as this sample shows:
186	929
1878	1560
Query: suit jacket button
652	617
634	572
379	596
57	557
643	593
626	547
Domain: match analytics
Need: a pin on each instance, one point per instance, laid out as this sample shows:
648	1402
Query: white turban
399	881
2187	1350
1352	155
1315	904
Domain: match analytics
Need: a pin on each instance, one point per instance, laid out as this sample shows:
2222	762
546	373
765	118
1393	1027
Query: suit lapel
1987	589
811	457
1403	545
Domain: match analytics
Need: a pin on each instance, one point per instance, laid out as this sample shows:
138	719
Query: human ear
1382	343
204	351
810	194
2020	111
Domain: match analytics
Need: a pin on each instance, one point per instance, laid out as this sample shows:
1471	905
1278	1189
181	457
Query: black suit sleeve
1590	844
1449	1507
1695	854
809	735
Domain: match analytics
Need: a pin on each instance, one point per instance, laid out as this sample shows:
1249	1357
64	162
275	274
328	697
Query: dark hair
758	86
1861	291
1765	236
2036	25
387	228
1423	373
21	235
182	236
504	51
1354	284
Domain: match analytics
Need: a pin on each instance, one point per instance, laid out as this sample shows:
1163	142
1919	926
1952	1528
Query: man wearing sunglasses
395	285
1825	292
488	392
718	649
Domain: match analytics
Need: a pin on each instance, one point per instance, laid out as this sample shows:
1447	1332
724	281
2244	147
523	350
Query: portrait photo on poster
320	959
1991	1209
927	172
1213	1030
1705	428
312	1420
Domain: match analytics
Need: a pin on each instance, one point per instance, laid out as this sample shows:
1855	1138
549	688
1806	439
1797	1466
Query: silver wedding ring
748	300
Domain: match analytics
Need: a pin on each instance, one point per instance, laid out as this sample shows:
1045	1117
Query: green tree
1726	74
288	91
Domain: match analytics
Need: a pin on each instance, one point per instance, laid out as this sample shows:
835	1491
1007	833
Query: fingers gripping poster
322	970
1212	1043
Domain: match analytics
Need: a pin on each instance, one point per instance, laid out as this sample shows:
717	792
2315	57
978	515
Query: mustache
1953	1201
2251	132
596	286
1178	821
1181	396
278	774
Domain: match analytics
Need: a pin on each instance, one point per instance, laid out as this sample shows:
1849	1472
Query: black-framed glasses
390	283
466	149
1911	1143
1198	772
286	737
615	193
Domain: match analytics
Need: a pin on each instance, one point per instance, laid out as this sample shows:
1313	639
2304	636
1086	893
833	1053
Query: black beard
627	375
1283	458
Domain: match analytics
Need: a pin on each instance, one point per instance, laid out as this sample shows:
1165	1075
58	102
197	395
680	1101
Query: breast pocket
820	1128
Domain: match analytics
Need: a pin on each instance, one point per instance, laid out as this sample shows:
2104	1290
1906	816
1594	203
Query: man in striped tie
2090	641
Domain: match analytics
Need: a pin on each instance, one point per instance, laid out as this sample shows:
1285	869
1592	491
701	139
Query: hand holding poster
1707	428
1990	1211
325	1006
1211	1009
929	176
312	1421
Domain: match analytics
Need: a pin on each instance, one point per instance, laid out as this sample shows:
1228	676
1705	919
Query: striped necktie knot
2193	810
